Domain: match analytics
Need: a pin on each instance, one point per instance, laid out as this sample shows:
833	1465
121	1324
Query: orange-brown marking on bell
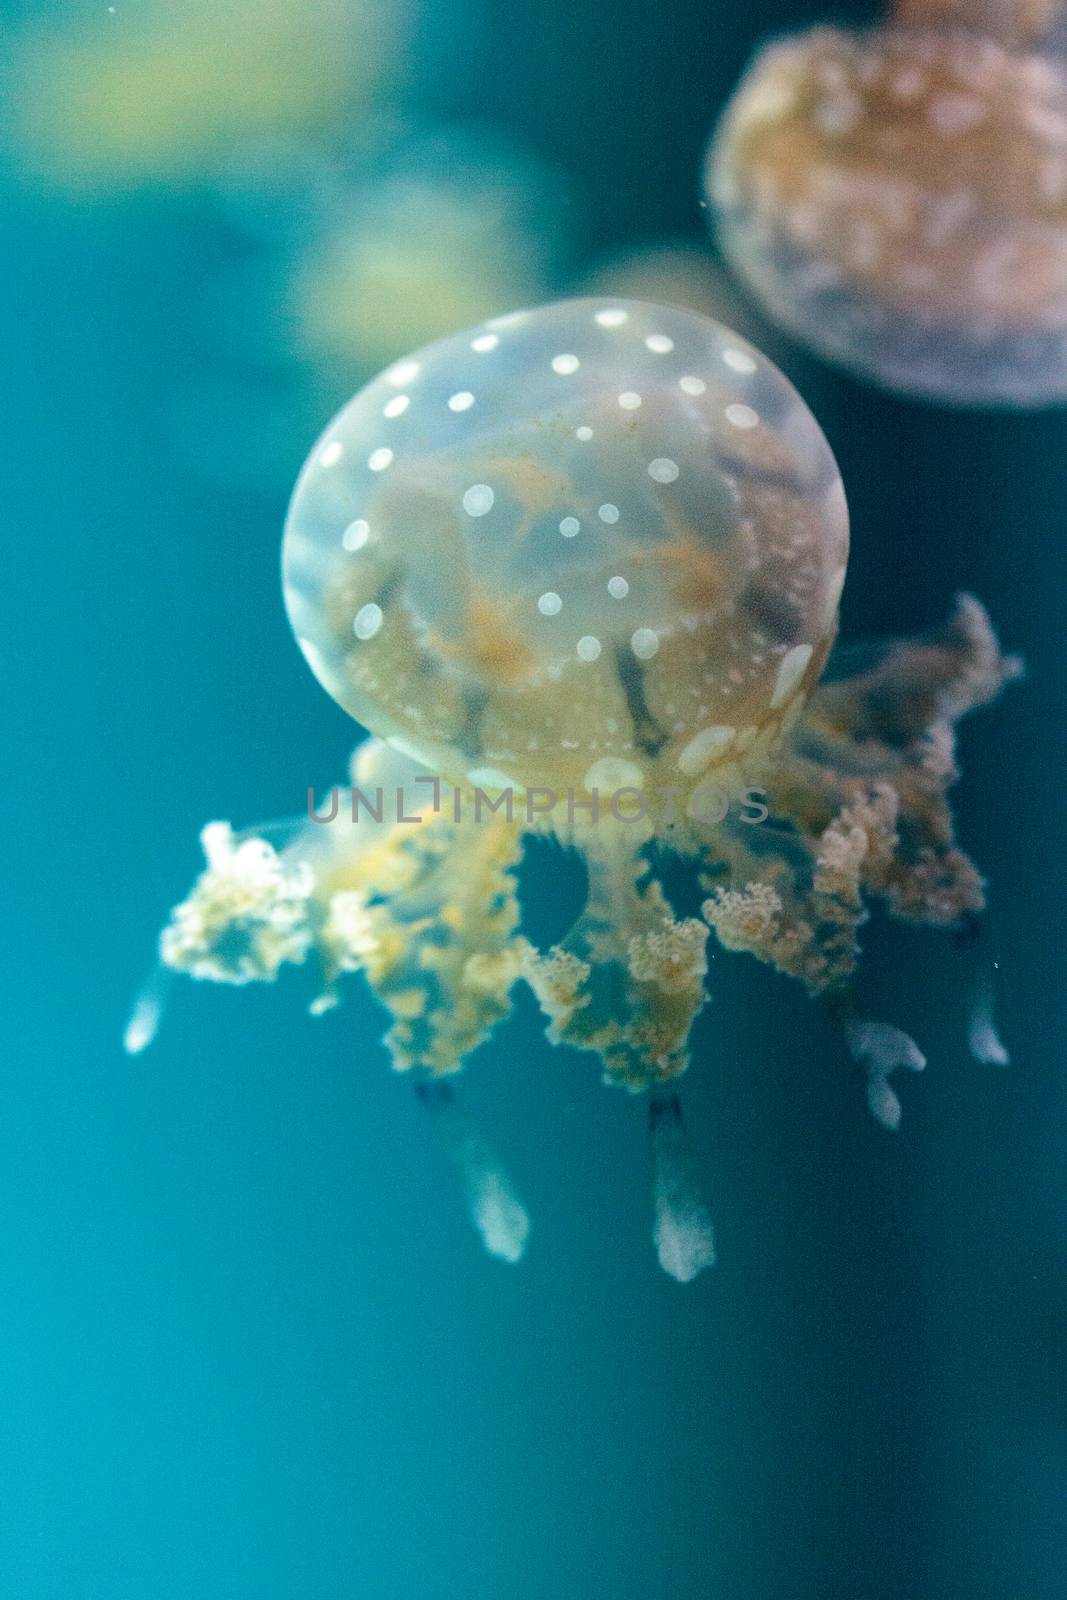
489	643
692	573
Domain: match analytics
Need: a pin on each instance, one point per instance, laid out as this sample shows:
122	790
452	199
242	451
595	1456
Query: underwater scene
535	750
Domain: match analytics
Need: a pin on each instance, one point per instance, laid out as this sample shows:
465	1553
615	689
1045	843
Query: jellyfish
435	230
578	570
896	198
679	273
164	91
350	257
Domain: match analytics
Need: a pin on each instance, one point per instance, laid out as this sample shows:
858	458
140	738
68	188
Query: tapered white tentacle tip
498	1214
883	1104
500	1219
984	1041
684	1240
146	1015
141	1028
682	1229
882	1049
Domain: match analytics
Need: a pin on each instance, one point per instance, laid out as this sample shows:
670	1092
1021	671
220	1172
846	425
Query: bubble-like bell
594	540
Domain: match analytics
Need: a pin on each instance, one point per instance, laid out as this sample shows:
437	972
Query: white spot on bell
790	671
838	114
612	773
402	373
701	750
739	360
908	84
367	621
956	113
356	534
478	500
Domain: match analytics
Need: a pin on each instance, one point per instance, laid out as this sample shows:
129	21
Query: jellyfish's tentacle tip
142	1027
983	1040
985	1043
685	1243
501	1220
146	1013
682	1230
884	1046
883	1103
882	1049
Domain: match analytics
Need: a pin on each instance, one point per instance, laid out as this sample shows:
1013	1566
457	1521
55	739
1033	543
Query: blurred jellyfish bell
355	256
897	198
674	273
163	92
436	230
1013	22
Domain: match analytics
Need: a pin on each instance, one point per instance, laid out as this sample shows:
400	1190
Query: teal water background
248	1345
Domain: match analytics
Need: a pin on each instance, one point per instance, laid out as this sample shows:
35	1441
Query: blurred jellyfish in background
438	229
162	91
677	273
349	257
897	198
1012	22
578	571
348	231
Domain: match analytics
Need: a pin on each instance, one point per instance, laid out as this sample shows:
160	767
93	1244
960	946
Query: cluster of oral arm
430	914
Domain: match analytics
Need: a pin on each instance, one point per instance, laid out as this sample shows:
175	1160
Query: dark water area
249	1344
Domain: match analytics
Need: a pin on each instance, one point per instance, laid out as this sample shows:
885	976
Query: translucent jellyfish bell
600	542
897	198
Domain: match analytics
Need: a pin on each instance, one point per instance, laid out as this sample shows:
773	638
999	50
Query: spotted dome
597	542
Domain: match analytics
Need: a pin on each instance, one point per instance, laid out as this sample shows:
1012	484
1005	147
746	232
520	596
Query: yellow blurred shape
163	93
458	229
